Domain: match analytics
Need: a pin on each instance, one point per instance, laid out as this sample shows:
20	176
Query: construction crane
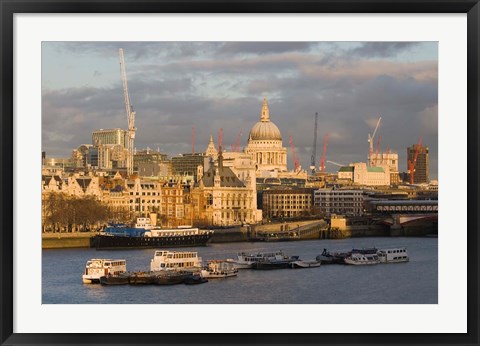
324	154
370	141
336	163
296	163
236	146
412	164
314	149
130	116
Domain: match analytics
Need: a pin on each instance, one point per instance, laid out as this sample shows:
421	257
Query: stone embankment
66	240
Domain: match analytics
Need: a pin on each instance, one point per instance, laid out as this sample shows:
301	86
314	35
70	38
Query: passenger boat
305	264
144	235
362	259
219	270
98	267
246	261
176	260
394	255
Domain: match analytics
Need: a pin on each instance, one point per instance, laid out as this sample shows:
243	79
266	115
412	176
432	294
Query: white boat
305	264
393	255
362	259
246	261
98	267
175	260
219	270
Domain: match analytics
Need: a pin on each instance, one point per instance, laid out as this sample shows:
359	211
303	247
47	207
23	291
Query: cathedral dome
265	129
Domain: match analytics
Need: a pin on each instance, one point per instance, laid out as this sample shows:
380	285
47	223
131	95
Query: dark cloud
382	49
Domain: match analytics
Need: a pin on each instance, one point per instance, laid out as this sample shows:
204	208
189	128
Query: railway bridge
404	215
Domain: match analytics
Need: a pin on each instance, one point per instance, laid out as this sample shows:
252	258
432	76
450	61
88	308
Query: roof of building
227	177
375	169
265	129
346	169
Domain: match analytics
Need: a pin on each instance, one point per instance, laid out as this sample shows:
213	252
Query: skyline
211	85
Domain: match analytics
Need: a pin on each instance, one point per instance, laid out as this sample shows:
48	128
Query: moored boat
175	260
305	264
95	268
246	261
195	279
332	257
122	279
393	255
144	235
362	259
219	269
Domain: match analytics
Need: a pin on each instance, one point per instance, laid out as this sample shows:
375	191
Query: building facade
421	167
343	202
287	203
220	198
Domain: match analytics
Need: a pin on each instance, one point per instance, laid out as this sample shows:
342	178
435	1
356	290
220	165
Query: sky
211	85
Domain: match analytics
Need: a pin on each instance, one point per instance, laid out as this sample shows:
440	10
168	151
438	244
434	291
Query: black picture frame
10	7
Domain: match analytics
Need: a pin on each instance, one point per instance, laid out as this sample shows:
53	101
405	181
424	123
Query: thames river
415	282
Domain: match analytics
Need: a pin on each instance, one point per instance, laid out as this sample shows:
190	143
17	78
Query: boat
98	267
332	257
368	251
305	264
170	277
145	235
164	260
142	278
265	264
121	279
219	269
195	279
362	259
246	261
393	255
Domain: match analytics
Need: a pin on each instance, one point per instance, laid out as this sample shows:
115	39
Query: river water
415	282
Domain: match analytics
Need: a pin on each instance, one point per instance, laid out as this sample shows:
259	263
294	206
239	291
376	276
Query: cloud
382	49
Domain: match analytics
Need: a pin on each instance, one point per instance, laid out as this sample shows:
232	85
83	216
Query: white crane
336	163
370	141
130	116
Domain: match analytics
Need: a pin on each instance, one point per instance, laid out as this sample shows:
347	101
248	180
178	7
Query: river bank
305	230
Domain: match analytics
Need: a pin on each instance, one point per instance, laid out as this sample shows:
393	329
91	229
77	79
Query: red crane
324	154
412	164
295	159
236	146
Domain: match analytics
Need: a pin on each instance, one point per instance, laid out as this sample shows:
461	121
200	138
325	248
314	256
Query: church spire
211	151
265	115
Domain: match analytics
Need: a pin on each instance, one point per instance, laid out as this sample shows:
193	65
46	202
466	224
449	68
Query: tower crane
130	116
370	141
314	149
324	154
296	163
412	164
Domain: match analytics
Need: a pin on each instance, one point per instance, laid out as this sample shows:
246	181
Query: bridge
398	214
